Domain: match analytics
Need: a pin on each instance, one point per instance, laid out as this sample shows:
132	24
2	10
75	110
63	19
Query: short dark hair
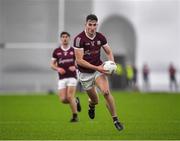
91	17
64	32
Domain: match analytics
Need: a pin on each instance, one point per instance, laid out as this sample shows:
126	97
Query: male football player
63	61
87	46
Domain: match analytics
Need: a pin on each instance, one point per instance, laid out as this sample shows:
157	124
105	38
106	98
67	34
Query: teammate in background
63	61
146	77
87	46
172	77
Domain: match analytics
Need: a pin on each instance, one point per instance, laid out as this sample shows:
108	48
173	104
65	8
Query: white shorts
87	80
63	83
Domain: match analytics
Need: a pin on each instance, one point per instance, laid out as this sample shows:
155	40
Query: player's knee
105	92
64	100
69	98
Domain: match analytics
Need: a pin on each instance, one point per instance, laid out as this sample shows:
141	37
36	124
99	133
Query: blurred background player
63	61
129	76
145	71
134	80
87	46
172	78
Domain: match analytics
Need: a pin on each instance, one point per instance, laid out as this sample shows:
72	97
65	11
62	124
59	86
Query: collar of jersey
88	36
64	49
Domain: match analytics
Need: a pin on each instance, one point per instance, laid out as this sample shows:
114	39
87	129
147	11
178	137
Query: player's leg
62	91
102	83
176	85
171	84
62	96
72	102
87	82
78	104
93	100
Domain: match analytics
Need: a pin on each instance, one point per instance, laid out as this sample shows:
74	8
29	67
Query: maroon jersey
172	72
65	59
91	49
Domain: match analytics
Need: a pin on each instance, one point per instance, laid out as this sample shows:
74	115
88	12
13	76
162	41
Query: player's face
65	39
91	27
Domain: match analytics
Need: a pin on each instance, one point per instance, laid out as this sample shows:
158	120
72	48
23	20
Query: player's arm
54	64
79	53
55	67
108	52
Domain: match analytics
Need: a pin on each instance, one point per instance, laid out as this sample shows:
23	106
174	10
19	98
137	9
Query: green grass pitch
154	116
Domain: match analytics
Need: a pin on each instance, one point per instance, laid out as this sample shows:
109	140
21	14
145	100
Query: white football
110	66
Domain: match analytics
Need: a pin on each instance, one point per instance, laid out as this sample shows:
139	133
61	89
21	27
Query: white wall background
158	38
1	22
35	22
75	15
29	30
30	20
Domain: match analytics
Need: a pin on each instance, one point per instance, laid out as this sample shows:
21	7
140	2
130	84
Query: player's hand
101	69
72	68
61	71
